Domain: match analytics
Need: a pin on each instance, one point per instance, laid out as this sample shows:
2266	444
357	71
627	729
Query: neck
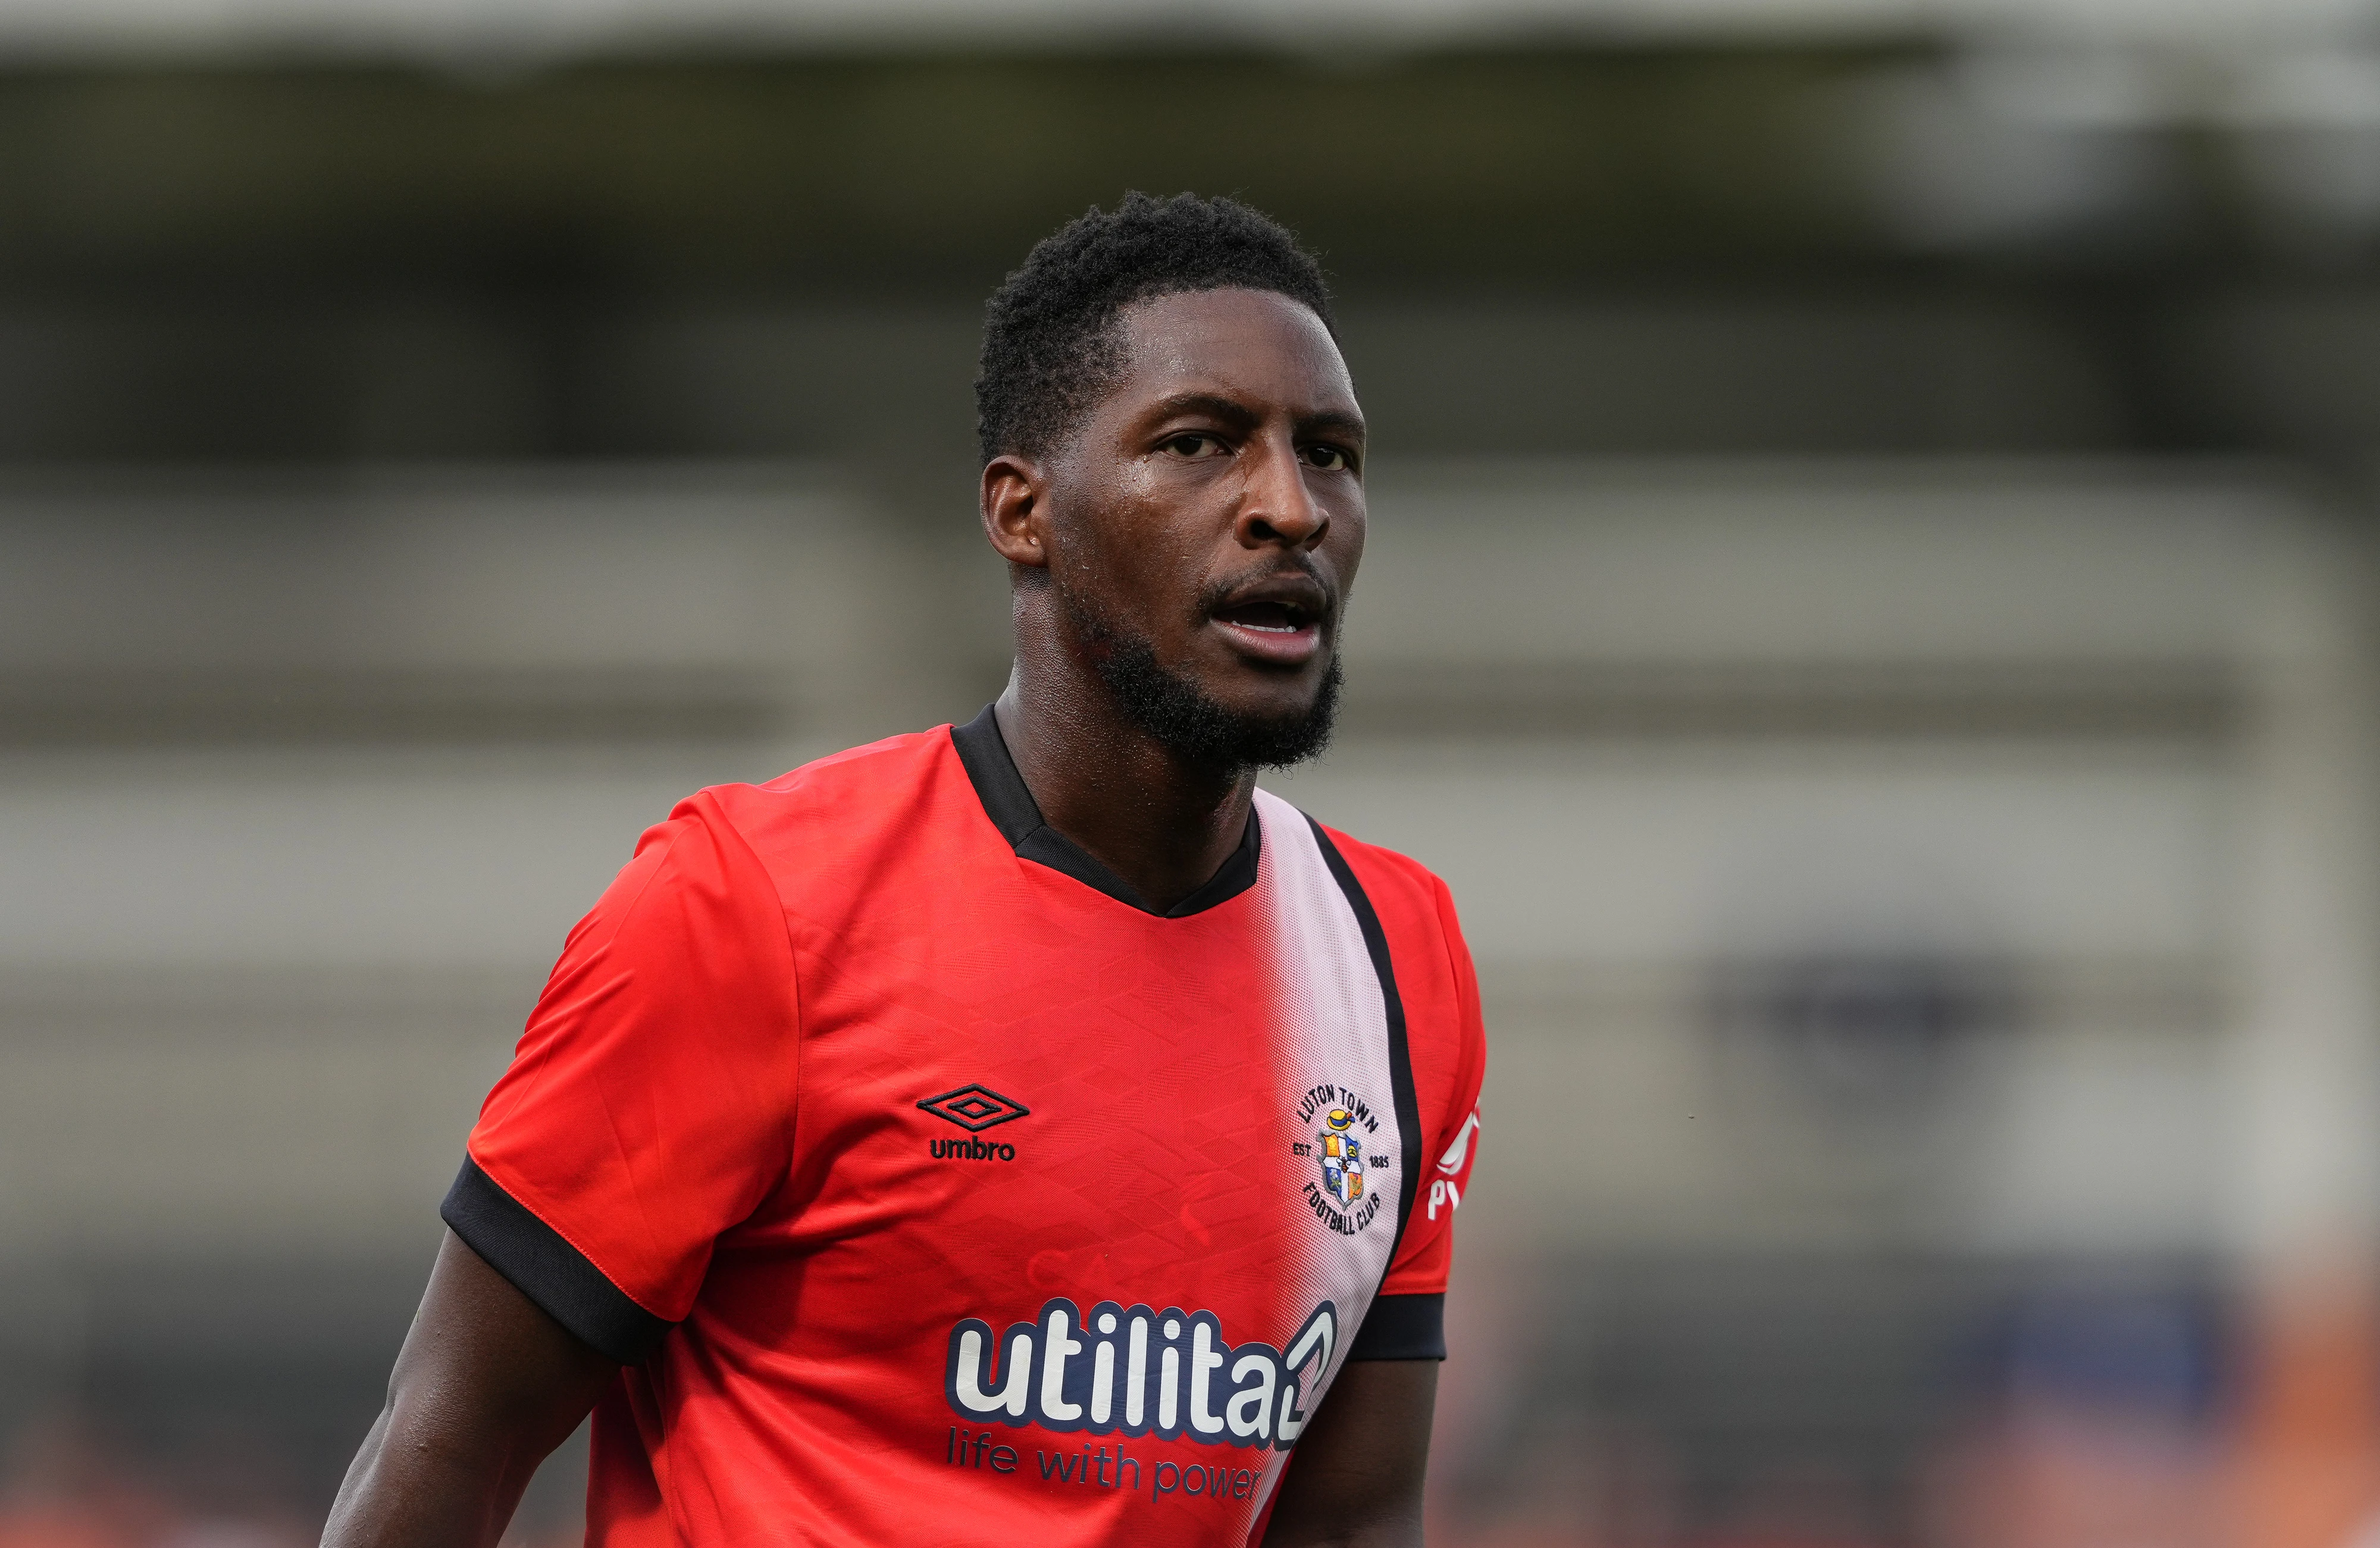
1165	827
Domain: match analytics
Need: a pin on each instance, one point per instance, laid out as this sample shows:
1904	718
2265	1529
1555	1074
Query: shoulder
848	800
1415	907
742	861
877	772
751	839
1435	982
1416	914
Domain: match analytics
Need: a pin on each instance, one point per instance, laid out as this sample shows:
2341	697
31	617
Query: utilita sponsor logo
1169	1374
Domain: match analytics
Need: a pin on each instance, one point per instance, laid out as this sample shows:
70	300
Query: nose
1276	507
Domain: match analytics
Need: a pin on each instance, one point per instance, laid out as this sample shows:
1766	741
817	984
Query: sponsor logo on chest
1131	1370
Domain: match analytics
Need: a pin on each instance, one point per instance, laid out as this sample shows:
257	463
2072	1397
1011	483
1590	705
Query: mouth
1277	622
1265	618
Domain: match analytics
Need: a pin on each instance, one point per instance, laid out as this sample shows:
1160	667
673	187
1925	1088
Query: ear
1014	513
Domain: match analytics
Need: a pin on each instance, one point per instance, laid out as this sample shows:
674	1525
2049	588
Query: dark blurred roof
896	171
1674	250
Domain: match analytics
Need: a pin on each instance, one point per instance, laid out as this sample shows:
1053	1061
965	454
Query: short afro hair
1049	332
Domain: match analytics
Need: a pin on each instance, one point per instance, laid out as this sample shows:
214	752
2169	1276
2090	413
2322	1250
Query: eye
1330	459
1193	444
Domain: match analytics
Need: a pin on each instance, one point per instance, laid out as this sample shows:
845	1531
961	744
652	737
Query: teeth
1294	619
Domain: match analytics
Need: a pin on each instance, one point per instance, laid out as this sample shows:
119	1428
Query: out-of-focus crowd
64	1485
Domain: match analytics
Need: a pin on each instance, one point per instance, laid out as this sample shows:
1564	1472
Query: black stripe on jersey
1009	805
1401	1080
543	1266
1403	1328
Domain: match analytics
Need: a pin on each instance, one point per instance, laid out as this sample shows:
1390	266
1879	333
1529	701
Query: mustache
1214	594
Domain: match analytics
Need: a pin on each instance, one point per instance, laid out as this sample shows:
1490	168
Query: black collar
1014	811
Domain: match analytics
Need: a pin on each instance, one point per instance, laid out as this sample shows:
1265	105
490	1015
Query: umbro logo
976	1108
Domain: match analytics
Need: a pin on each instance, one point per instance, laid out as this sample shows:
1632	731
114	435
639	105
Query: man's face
1206	520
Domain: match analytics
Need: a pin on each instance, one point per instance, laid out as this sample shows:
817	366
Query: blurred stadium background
1871	605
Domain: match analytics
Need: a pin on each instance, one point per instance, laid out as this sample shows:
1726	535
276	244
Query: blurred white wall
308	782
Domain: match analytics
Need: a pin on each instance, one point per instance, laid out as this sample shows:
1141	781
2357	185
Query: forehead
1257	345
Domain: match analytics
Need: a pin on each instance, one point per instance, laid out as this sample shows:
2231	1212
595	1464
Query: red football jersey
929	1184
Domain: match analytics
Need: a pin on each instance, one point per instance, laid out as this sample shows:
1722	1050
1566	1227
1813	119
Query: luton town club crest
1341	1155
1346	1150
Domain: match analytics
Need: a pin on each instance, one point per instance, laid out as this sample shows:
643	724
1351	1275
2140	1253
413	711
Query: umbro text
969	1150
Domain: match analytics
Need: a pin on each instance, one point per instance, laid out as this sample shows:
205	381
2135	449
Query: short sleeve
1407	1319
648	1105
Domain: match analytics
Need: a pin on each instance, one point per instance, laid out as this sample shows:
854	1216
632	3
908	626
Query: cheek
1128	556
1160	575
1345	544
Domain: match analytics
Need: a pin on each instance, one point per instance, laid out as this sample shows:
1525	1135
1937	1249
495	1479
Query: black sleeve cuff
543	1266
1403	1328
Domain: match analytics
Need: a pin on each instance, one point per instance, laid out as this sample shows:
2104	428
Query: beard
1172	710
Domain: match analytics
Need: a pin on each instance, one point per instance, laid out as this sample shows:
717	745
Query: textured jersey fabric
930	1185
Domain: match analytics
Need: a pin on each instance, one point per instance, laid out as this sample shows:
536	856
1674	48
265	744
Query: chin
1210	727
1265	702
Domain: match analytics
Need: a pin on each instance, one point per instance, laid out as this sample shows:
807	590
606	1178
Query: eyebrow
1334	423
1329	422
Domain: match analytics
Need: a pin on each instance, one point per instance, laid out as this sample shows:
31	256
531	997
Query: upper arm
1449	1040
486	1386
1446	1042
648	1105
481	1361
1356	1475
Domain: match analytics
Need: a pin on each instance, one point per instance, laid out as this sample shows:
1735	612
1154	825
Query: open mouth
1276	622
1267	618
